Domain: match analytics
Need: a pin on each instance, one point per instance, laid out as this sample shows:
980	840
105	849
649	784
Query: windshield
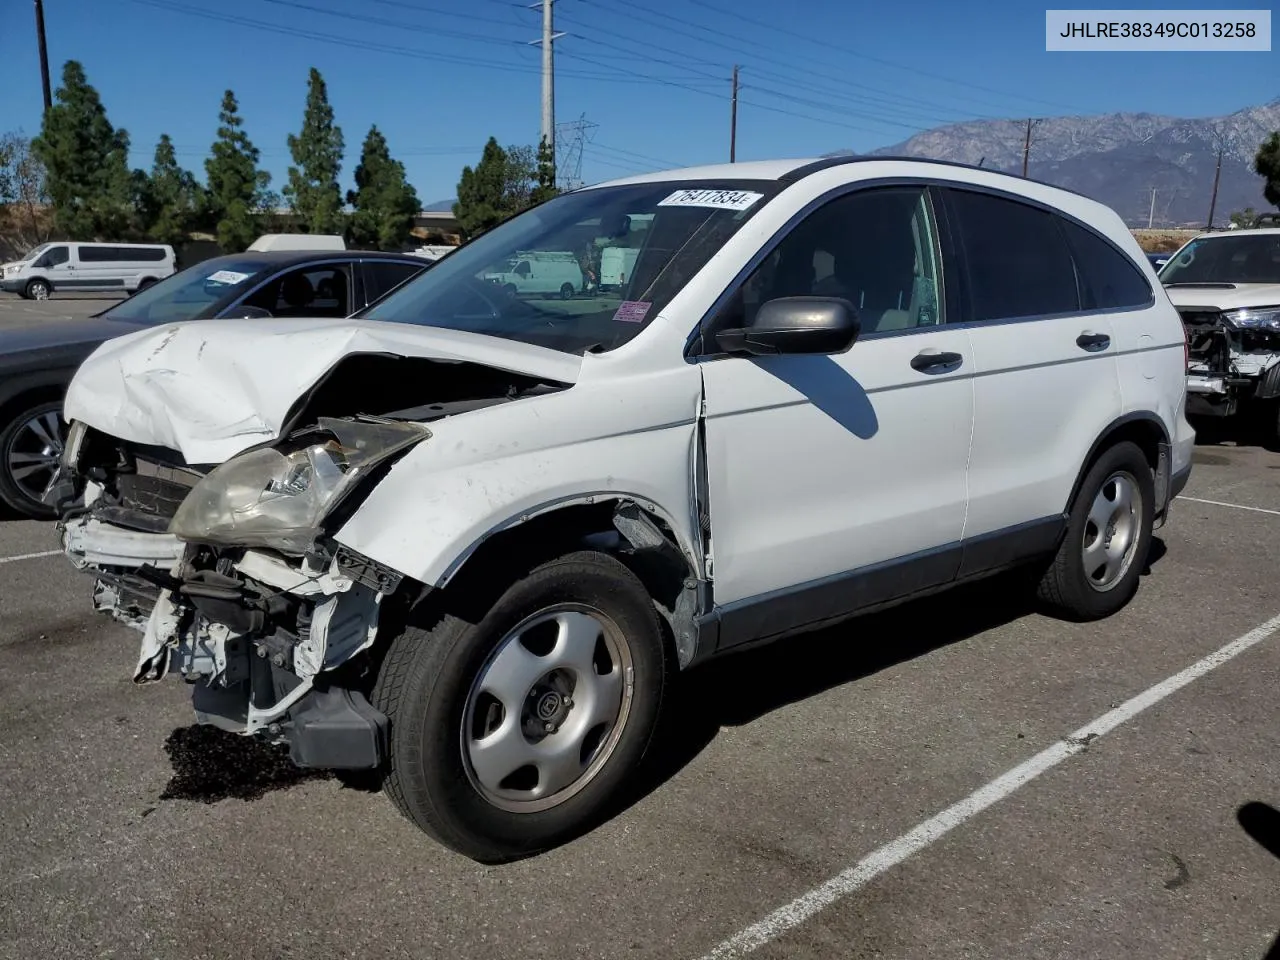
548	276
1249	259
189	293
34	252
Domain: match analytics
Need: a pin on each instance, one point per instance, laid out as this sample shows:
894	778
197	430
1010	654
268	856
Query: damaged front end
1233	358
232	579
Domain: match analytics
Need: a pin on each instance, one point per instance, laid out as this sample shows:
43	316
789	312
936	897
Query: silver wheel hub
547	708
33	454
1111	531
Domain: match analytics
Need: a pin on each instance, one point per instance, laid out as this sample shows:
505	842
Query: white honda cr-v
465	539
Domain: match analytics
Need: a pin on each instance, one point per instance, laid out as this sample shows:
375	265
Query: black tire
566	291
511	290
38	290
144	283
13	437
1067	587
423	687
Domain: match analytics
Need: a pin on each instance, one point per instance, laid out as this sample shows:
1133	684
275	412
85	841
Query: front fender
483	472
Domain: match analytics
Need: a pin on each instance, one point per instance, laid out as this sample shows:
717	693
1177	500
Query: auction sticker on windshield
632	311
716	199
228	276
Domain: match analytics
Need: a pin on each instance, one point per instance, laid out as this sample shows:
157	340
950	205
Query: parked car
36	363
466	540
88	268
1226	287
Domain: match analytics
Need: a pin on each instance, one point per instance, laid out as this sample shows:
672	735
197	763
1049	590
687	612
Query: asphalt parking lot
124	831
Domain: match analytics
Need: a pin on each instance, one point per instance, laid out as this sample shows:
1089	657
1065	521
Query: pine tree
385	202
313	189
171	197
546	173
237	189
483	196
86	163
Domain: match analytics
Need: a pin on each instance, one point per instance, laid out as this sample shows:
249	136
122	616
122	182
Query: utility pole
1152	214
548	73
1026	148
44	54
733	118
1213	202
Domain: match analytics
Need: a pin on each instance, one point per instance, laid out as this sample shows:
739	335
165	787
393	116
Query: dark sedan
37	363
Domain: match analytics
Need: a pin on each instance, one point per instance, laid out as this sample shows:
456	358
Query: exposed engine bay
1228	364
229	570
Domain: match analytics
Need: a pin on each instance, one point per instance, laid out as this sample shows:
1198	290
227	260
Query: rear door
1046	381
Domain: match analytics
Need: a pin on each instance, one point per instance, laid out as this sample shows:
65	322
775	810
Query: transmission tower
571	138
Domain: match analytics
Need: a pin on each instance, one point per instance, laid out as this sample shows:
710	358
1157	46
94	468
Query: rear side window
103	254
382	276
1108	279
1016	258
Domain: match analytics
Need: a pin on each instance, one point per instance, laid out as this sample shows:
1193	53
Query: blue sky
439	77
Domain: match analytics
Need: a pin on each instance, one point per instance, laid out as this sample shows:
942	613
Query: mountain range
1120	159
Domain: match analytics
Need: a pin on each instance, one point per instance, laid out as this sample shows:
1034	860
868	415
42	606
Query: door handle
1093	341
936	361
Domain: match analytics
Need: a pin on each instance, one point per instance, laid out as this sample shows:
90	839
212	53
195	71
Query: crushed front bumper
257	635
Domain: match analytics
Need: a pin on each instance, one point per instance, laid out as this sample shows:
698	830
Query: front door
842	474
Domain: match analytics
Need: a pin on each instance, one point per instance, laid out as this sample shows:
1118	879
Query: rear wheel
38	290
30	447
1097	567
566	291
514	734
144	283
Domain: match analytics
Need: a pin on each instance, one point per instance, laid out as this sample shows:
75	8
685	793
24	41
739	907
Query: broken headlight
1254	318
276	499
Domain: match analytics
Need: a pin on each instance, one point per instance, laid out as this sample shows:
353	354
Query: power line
896	100
845	51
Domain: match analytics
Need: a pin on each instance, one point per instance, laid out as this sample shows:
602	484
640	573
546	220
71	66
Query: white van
538	272
88	267
616	264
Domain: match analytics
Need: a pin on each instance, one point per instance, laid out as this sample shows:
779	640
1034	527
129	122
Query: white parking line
860	874
1234	506
30	556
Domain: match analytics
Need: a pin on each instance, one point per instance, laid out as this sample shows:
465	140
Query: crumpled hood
1226	298
212	388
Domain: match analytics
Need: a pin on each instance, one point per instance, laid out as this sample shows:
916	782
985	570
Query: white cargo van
616	264
88	267
539	272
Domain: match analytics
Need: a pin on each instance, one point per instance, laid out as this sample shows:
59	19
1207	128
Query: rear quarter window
1109	280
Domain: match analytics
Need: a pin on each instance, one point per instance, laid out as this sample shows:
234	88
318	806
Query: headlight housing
276	499
1254	318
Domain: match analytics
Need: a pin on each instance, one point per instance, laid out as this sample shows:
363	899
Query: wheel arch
632	529
1143	428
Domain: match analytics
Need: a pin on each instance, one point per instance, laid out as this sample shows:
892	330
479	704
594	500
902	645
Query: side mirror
820	325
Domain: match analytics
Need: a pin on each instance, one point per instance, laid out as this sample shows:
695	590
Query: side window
1108	279
382	276
1017	260
54	257
88	254
875	248
306	292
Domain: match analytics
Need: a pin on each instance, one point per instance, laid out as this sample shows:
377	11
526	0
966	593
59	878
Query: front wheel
38	290
513	734
1104	550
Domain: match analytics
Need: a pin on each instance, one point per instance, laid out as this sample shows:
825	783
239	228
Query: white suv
466	538
1227	288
